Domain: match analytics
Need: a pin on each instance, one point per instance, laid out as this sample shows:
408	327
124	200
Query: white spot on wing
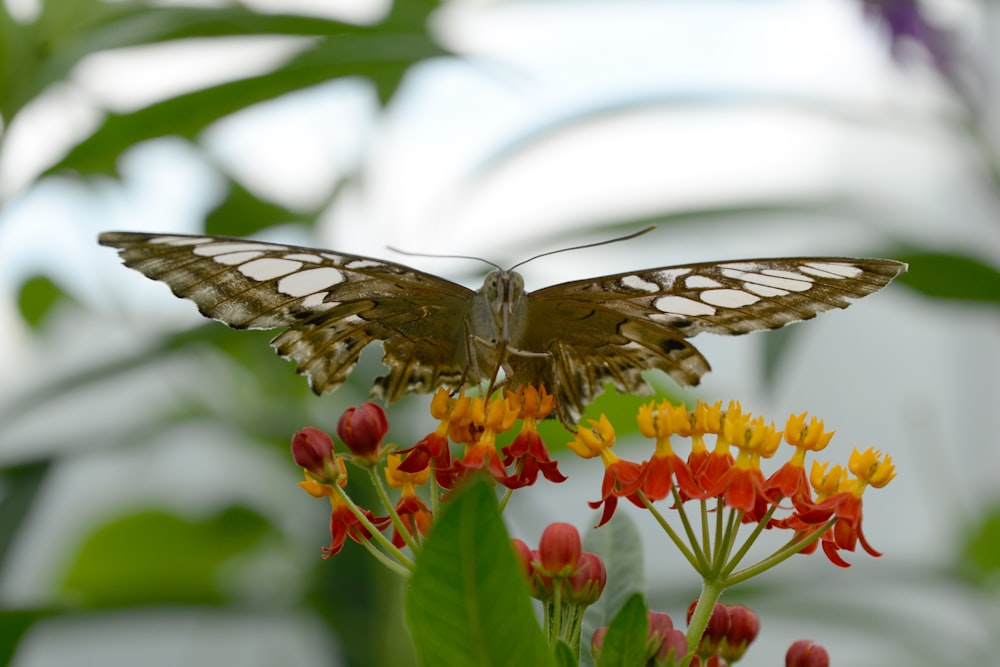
728	298
739	266
238	257
305	257
226	248
667	277
799	283
764	290
363	264
829	270
267	268
637	283
679	305
698	282
316	301
309	281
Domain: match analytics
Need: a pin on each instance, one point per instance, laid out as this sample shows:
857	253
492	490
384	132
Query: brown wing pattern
336	304
643	317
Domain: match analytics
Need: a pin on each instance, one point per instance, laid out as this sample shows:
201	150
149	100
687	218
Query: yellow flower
871	467
593	441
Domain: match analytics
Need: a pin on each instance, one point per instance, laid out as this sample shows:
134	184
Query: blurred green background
149	512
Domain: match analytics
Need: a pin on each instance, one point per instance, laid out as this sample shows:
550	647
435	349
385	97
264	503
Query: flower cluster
730	473
470	422
707	459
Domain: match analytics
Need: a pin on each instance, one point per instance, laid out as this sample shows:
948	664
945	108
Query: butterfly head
502	298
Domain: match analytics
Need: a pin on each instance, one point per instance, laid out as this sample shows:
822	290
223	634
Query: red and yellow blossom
528	450
621	478
488	419
434	448
415	515
790	481
742	485
659	472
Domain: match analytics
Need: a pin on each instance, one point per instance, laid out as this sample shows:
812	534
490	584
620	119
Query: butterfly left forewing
613	327
335	304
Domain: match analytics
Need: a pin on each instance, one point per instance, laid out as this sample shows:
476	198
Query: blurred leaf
565	657
13	625
381	54
155	557
619	545
243	213
979	560
36	299
467	603
625	642
20	486
949	276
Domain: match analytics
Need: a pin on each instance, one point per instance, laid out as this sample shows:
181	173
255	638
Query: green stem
376	535
668	529
711	591
779	556
397	521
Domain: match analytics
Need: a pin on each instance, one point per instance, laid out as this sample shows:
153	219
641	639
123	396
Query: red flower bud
673	649
715	631
743	628
312	449
559	549
805	653
587	583
523	553
597	643
659	625
362	429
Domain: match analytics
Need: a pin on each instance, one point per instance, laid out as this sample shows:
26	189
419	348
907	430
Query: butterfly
571	338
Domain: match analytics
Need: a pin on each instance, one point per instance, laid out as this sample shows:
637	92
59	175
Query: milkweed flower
659	472
488	419
790	480
415	515
528	450
434	449
621	478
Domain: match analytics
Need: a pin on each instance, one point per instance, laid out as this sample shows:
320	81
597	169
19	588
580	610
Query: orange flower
742	485
433	449
621	478
658	473
528	449
790	481
496	417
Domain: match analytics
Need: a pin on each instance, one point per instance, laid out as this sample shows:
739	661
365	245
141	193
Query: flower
528	449
415	515
312	449
621	478
660	471
362	429
586	585
345	523
559	549
742	485
790	481
805	653
488	420
433	449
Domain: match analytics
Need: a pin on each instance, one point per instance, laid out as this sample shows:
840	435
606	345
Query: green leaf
36	299
625	642
157	557
13	625
619	545
467	602
243	213
20	485
565	657
948	276
979	562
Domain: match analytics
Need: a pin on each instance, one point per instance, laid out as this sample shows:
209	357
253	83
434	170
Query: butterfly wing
333	303
612	328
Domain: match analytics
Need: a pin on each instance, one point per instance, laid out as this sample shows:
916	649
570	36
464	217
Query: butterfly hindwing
334	303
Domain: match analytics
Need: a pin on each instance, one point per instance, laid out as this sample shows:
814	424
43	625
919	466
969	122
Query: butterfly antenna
586	245
436	256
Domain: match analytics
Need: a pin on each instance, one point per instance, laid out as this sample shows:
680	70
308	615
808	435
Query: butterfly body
572	338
